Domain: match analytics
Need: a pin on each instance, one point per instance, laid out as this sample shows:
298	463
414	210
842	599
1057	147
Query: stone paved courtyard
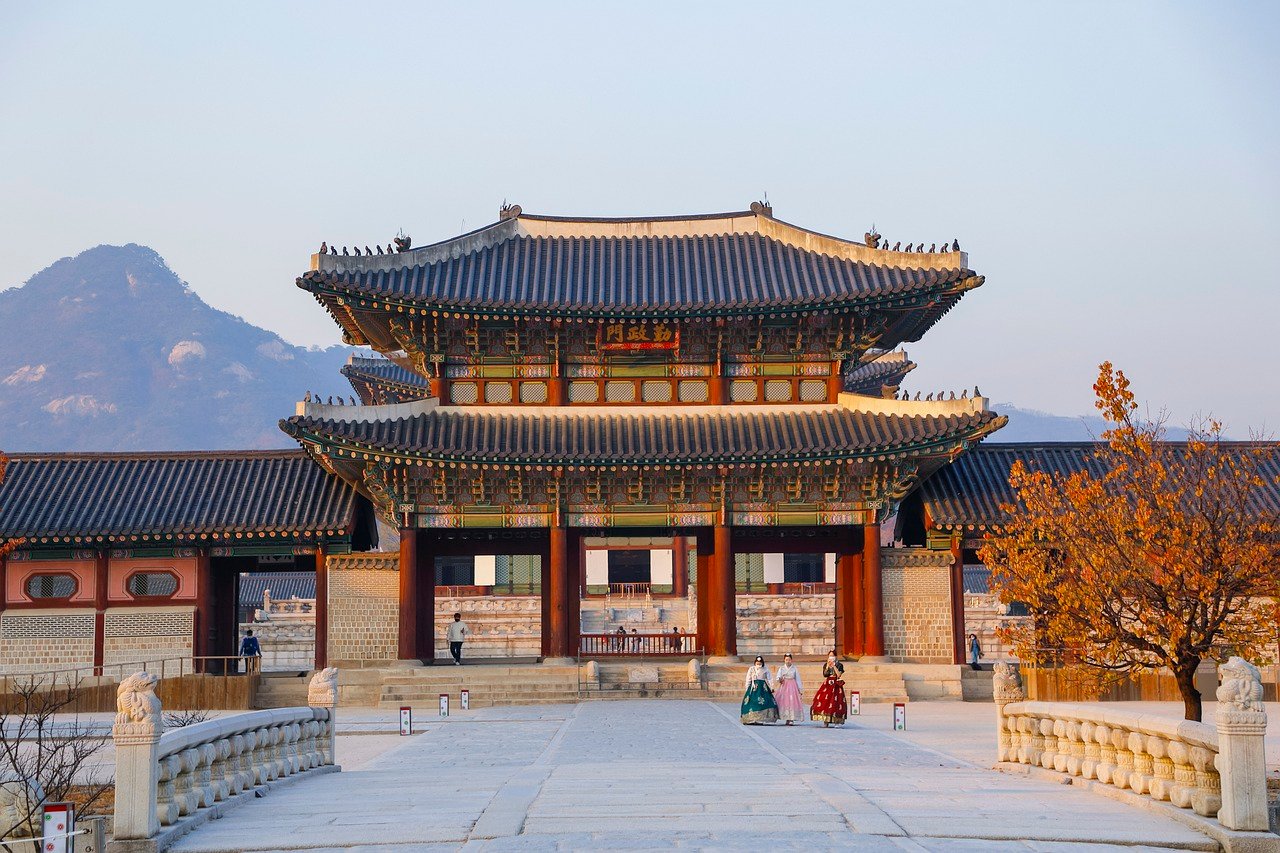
683	774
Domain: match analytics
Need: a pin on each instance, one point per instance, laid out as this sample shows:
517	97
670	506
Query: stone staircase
282	690
655	616
873	682
642	679
489	684
977	685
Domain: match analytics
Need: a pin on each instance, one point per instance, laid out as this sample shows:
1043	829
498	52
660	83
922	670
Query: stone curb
1229	840
169	835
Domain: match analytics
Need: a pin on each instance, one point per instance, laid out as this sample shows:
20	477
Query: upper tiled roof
968	493
871	377
735	263
380	380
82	498
709	434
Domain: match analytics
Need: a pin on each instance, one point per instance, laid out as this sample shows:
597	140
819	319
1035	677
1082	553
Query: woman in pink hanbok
788	692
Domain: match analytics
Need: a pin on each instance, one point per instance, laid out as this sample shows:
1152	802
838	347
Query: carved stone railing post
322	692
136	733
1006	689
1242	723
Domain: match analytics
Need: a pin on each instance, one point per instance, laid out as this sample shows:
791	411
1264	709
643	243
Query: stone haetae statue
1241	687
20	801
137	705
1006	685
322	692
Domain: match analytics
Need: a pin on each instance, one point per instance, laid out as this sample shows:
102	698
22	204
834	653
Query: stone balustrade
1215	770
164	777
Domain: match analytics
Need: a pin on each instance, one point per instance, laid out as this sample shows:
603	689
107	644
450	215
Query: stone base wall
364	607
984	615
917	605
777	624
147	634
43	640
288	644
508	626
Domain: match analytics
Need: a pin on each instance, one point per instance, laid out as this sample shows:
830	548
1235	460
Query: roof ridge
154	454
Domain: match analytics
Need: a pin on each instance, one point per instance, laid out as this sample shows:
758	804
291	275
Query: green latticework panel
748	572
520	574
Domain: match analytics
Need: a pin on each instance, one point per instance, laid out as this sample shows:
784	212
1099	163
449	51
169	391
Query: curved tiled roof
597	276
968	493
871	377
364	373
710	435
172	497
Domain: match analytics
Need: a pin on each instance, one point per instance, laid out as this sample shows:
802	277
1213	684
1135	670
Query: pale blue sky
1111	167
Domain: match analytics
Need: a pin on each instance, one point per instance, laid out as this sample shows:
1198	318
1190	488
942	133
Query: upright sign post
466	699
58	822
899	716
444	704
406	720
855	703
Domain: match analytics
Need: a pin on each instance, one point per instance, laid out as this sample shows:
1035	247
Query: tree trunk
1185	673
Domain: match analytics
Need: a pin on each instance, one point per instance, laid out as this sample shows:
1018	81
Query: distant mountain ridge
110	350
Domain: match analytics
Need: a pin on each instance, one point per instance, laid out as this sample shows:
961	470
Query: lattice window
655	392
777	390
464	392
152	584
584	392
620	391
813	390
693	392
533	392
497	392
51	586
743	391
148	624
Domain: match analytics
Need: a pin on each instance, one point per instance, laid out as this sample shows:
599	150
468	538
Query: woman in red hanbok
829	704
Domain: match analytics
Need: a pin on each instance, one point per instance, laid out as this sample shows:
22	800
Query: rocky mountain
110	350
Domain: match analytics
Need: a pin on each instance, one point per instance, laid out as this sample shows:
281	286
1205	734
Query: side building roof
379	381
874	375
233	497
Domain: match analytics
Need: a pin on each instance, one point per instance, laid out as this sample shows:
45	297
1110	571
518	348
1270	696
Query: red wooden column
555	600
703	545
426	599
100	559
721	610
849	601
4	566
957	600
680	567
322	610
204	607
408	640
835	382
873	587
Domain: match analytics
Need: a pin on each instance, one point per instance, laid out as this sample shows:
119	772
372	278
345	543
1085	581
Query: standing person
975	651
758	705
458	632
621	639
251	651
788	692
829	704
676	639
635	641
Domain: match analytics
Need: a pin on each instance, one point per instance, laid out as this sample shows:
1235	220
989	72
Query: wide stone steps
977	685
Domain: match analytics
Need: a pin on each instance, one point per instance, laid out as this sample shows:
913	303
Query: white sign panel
660	566
406	720
899	716
486	570
855	703
597	567
828	568
466	700
444	704
773	568
59	823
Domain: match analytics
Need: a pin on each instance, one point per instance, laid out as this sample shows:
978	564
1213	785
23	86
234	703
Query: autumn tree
1155	555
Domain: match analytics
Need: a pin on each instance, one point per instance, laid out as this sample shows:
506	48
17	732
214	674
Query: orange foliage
1158	555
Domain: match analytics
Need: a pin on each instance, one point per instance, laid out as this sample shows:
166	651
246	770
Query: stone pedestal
136	733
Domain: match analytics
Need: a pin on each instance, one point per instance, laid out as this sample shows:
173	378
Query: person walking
251	651
975	651
788	692
829	703
458	632
758	705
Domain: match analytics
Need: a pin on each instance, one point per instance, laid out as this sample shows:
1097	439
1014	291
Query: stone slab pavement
652	774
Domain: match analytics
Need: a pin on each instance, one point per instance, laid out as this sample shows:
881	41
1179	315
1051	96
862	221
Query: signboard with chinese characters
628	337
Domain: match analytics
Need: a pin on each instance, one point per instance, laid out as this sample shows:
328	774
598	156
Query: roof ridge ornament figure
955	245
402	241
762	208
324	247
872	237
508	211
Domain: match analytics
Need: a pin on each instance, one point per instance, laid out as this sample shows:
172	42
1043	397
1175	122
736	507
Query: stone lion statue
1006	684
1241	687
20	801
323	689
136	700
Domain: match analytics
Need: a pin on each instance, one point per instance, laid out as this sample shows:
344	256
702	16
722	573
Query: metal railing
637	645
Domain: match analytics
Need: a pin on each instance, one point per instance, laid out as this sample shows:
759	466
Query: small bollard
57	823
899	716
855	703
466	700
406	720
444	704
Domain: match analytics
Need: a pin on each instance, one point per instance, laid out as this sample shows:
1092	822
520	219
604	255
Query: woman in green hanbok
758	705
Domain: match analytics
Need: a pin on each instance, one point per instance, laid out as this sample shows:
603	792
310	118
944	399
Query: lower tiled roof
711	434
216	497
380	380
283	586
873	376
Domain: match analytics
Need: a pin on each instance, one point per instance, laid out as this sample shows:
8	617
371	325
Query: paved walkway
662	774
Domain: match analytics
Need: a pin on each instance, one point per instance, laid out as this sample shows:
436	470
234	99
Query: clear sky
1111	167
